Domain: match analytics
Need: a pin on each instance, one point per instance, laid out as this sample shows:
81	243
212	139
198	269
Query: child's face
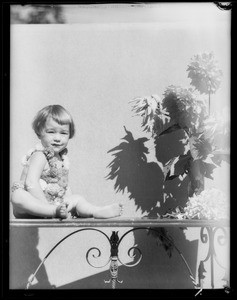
55	135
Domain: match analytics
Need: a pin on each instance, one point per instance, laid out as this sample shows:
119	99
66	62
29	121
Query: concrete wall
94	70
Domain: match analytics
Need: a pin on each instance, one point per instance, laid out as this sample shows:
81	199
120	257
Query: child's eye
65	133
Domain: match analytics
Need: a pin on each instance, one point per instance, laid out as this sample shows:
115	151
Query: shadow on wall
155	271
145	184
23	263
131	171
144	180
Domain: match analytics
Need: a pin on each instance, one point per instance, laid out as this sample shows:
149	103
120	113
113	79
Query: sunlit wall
93	64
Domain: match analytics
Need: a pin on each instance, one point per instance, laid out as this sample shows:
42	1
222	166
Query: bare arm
37	163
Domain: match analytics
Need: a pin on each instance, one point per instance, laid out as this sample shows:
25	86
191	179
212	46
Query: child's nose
57	137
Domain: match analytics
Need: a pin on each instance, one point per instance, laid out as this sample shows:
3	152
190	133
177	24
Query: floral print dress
54	178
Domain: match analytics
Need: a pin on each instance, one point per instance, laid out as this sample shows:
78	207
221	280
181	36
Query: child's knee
17	197
81	198
81	201
77	198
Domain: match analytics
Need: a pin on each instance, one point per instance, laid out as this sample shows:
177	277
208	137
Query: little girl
43	187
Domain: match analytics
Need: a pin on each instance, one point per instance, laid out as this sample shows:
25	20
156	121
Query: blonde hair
58	114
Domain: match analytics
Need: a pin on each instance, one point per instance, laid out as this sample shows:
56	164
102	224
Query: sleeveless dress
54	178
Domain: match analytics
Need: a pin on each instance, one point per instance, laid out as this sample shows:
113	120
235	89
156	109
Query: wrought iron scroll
114	242
33	276
196	285
211	254
114	260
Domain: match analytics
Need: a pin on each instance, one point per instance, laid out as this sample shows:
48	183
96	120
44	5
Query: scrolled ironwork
132	256
211	254
205	238
33	275
113	272
99	254
196	285
222	239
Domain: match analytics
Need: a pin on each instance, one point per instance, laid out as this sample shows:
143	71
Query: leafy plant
184	109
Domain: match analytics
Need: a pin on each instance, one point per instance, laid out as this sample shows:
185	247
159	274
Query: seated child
43	189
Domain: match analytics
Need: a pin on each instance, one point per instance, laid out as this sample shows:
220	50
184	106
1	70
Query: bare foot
109	211
61	211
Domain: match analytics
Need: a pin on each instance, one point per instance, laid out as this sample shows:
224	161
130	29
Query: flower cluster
49	153
204	73
56	177
55	191
54	180
211	204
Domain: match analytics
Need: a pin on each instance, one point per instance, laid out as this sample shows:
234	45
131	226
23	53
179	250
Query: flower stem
209	103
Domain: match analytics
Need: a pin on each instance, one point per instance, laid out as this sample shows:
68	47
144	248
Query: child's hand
61	211
69	206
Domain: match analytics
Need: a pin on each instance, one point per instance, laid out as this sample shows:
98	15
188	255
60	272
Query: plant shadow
25	260
143	180
145	184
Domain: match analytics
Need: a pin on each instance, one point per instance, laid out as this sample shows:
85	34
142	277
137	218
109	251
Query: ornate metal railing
208	233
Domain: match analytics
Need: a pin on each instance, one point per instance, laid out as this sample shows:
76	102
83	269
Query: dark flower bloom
204	73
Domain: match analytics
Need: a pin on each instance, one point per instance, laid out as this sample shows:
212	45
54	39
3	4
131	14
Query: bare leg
24	203
108	211
87	210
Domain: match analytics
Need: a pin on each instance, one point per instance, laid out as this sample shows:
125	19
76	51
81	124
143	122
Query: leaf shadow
132	172
170	145
143	180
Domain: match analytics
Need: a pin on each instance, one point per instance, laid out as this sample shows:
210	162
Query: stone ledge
117	222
